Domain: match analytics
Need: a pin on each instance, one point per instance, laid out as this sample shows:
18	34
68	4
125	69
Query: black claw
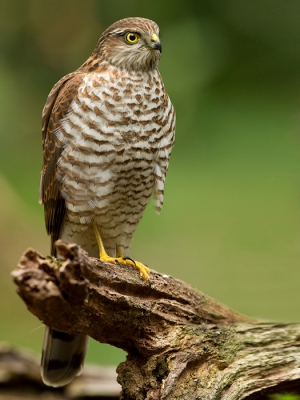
128	258
117	261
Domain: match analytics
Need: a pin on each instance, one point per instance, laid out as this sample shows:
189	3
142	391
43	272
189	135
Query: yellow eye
132	38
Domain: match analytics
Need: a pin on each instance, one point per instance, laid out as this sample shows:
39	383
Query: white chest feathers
117	138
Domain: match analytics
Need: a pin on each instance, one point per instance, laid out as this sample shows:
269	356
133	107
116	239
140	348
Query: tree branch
180	342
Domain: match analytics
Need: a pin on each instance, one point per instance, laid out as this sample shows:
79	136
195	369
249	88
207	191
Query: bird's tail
62	357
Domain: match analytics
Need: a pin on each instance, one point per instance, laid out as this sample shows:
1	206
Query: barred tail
62	357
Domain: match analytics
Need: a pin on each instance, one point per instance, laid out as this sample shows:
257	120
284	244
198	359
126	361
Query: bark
180	342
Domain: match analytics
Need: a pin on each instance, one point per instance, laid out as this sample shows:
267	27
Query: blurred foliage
284	396
231	221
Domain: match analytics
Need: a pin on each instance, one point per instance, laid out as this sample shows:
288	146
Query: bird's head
131	43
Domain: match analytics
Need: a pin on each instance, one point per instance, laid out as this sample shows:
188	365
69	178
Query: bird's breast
111	137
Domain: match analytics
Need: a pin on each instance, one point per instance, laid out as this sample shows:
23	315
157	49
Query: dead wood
180	342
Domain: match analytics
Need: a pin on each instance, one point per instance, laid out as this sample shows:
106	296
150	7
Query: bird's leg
118	252
120	259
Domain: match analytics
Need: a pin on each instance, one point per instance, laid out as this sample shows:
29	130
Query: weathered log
180	342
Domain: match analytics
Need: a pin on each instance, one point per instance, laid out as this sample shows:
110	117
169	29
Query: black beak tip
157	46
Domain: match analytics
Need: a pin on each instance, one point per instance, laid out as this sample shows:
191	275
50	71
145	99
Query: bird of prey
108	131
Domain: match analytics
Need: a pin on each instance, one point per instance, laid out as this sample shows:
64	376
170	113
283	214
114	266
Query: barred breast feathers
112	124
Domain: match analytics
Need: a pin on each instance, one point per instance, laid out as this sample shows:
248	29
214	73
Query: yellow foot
144	271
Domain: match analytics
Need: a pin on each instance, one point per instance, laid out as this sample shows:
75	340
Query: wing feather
56	108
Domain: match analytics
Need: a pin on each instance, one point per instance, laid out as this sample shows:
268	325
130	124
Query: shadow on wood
180	342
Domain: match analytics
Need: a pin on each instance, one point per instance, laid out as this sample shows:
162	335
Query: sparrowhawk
108	131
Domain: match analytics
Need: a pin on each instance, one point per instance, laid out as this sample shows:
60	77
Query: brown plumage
108	130
55	109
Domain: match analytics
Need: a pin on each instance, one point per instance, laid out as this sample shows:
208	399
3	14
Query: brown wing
56	108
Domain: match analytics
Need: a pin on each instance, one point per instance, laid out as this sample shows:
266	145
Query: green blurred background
231	221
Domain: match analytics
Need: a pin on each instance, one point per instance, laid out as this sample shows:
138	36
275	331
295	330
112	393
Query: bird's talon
130	259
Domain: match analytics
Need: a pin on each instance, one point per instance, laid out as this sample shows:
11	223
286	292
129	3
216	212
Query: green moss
221	342
55	262
162	368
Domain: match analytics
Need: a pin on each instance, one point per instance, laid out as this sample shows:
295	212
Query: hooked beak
155	43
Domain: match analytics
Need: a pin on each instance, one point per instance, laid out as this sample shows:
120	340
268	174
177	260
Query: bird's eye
132	38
